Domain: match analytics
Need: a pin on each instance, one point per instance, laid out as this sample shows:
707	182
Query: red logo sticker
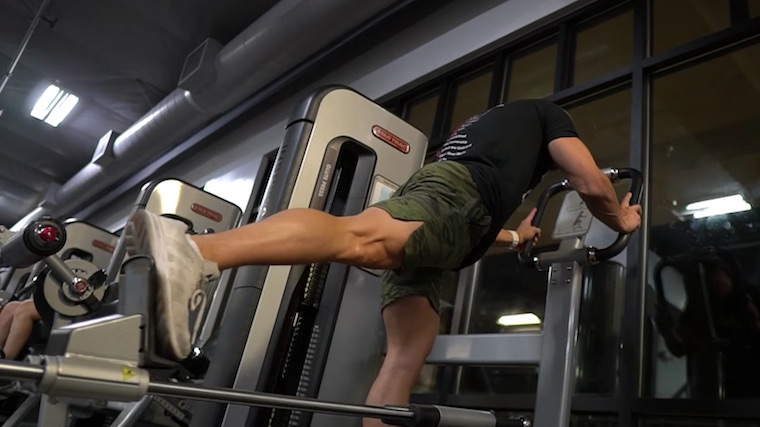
391	139
208	213
103	245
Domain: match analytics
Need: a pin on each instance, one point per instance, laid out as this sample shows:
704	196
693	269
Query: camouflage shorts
443	196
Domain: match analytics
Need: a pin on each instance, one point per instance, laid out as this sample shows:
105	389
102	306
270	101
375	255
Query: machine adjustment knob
47	234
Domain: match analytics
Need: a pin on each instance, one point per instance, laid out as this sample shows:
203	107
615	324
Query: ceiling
119	57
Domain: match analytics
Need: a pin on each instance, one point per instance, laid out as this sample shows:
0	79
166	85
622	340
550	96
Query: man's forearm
601	199
505	242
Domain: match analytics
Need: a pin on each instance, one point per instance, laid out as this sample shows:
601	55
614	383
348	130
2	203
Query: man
445	217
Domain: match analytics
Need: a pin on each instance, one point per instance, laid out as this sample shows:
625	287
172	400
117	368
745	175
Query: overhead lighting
718	206
54	105
522	319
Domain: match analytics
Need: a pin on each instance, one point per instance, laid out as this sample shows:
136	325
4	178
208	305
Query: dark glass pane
471	97
652	421
593	420
754	8
704	257
677	22
506	288
531	74
420	113
603	47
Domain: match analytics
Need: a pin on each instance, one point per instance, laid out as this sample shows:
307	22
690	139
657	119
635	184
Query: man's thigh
423	282
454	219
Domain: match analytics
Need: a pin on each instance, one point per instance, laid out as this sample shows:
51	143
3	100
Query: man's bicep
573	157
558	123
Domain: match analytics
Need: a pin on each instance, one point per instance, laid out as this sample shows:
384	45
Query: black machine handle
40	239
587	255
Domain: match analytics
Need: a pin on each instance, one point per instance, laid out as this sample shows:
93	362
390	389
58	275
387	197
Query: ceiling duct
289	33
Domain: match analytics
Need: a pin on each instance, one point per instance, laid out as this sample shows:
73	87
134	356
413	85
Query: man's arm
505	242
572	156
513	240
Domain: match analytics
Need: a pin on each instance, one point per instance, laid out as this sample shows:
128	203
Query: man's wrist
515	239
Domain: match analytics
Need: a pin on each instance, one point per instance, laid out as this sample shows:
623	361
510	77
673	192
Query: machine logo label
103	245
208	213
325	179
391	139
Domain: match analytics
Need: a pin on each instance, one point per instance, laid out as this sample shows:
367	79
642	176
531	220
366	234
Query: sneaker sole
148	239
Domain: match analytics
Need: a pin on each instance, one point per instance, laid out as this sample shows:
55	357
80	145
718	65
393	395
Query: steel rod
24	44
20	371
60	270
275	401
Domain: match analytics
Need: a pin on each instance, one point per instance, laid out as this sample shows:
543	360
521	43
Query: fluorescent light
718	206
697	206
519	319
54	105
723	209
46	102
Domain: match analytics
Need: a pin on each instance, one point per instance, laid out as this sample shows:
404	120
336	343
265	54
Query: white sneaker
182	276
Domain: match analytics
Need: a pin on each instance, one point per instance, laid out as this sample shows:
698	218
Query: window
603	47
471	97
754	8
677	22
531	73
420	113
703	255
696	422
504	287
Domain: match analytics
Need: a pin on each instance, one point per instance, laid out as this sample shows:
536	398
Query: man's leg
300	236
6	319
411	326
21	328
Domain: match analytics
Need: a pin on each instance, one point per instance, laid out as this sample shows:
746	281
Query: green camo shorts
443	196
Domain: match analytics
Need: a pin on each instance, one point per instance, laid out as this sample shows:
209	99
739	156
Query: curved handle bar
588	255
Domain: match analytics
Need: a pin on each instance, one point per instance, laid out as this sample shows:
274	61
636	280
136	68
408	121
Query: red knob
48	234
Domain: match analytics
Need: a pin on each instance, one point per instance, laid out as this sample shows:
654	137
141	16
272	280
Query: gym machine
85	251
340	152
204	213
76	287
553	350
87	247
77	375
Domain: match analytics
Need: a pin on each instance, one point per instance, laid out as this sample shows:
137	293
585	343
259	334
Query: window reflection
754	8
531	74
420	113
654	421
677	22
471	97
704	300
603	47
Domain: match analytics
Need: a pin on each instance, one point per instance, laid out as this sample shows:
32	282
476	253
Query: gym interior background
671	87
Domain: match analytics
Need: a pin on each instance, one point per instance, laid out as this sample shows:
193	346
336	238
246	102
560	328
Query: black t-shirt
506	151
